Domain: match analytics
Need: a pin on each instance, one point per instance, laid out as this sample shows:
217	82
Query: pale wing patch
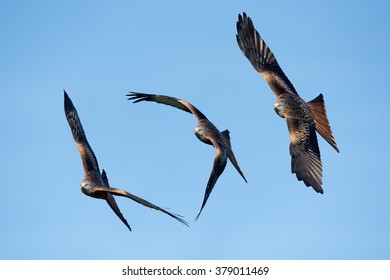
87	157
295	136
277	85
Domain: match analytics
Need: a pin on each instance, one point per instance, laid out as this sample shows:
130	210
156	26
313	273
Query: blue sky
99	50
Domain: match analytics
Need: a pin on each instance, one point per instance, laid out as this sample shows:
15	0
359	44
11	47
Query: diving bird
303	118
205	131
95	184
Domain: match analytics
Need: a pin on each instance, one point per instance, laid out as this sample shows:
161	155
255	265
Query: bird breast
201	134
91	180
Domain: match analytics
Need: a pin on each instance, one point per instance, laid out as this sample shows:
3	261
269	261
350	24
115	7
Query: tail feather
317	107
230	154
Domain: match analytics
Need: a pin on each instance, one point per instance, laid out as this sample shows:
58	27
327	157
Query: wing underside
305	153
141	201
167	100
87	155
261	57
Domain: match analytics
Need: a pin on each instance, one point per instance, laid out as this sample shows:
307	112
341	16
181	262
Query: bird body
91	181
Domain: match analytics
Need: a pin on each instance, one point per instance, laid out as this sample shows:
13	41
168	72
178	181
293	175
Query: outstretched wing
261	57
220	159
305	153
139	200
167	100
87	156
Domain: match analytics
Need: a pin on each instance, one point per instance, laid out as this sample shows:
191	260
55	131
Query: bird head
200	132
86	186
200	129
279	109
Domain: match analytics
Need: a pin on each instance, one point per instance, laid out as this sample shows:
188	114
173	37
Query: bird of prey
205	131
303	118
95	184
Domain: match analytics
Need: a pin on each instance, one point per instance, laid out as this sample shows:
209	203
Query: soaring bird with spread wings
303	119
95	184
205	131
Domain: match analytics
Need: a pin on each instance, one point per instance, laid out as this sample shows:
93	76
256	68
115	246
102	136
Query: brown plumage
303	119
205	131
95	184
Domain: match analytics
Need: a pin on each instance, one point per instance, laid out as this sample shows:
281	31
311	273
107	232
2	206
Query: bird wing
305	153
261	57
139	200
220	159
230	154
167	100
87	155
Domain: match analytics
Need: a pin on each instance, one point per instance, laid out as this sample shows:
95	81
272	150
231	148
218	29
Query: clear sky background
99	50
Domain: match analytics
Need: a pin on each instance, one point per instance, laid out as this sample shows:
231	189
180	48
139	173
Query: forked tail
317	107
230	154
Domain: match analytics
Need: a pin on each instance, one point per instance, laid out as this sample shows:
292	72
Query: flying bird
205	131
95	184
303	118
